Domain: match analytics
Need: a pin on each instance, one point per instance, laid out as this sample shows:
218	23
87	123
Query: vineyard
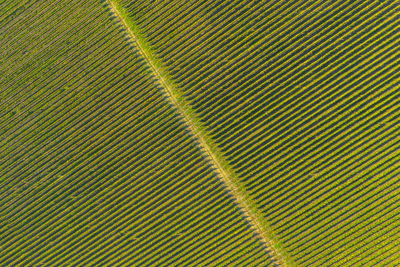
199	133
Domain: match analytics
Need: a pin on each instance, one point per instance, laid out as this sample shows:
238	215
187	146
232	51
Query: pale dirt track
238	195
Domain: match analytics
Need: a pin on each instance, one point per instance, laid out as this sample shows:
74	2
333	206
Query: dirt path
239	196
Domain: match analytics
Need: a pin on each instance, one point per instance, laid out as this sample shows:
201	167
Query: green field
199	133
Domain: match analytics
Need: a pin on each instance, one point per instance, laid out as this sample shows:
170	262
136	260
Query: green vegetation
199	133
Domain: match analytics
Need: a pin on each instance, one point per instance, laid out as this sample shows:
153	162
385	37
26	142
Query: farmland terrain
199	133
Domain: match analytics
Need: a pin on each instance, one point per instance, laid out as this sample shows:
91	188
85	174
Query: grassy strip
227	175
